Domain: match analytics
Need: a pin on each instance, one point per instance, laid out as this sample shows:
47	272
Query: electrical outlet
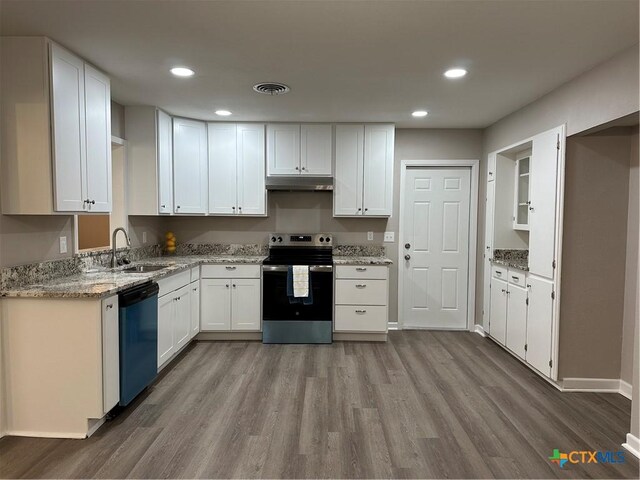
63	244
144	237
389	236
369	236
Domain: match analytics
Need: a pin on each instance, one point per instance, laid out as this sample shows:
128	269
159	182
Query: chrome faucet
114	262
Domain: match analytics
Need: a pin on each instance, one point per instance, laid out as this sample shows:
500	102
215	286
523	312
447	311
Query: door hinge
553	295
525	347
550	363
527	301
553	264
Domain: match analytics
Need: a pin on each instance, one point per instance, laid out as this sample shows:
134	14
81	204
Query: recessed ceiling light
420	113
182	71
223	113
455	73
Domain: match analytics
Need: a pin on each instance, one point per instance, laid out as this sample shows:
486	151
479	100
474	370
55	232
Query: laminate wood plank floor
423	405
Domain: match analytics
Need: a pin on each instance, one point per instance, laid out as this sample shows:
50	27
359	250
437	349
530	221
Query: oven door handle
284	268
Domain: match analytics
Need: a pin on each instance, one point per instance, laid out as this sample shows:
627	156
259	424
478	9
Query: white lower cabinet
175	311
521	315
195	307
540	324
110	353
232	302
361	299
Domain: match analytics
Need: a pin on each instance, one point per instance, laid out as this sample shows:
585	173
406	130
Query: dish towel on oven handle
299	288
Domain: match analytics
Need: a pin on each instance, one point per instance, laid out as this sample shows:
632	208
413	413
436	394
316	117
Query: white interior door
436	240
488	253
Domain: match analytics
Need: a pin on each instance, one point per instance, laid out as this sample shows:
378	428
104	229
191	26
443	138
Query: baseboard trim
31	433
226	336
632	444
359	337
598	385
480	330
625	389
95	424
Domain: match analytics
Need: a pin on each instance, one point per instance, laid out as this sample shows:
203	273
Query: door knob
407	246
407	257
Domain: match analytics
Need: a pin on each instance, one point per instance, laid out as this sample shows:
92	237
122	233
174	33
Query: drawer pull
360	285
230	268
498	273
361	269
361	311
515	278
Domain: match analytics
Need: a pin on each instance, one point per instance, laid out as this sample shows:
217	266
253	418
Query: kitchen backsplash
220	249
359	250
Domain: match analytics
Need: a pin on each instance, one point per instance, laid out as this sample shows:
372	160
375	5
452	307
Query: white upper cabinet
363	182
347	183
283	149
189	166
236	169
97	91
68	127
252	195
543	196
294	149
164	162
378	169
315	149
222	168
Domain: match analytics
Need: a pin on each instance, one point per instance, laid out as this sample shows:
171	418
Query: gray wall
594	254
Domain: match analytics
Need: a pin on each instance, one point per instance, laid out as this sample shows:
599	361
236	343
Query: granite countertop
360	260
513	258
104	282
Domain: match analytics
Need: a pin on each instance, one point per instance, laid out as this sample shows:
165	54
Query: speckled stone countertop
103	282
514	258
357	260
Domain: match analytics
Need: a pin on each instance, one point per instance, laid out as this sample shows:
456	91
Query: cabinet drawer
361	271
195	273
499	272
517	277
174	282
230	271
360	318
361	292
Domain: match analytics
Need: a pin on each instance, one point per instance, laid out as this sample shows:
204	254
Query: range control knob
279	239
321	239
273	239
328	239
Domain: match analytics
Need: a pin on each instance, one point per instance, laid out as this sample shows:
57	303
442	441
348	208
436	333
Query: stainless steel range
285	318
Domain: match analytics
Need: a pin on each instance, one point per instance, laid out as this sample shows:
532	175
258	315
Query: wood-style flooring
424	405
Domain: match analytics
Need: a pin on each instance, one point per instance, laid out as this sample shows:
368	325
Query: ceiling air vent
271	88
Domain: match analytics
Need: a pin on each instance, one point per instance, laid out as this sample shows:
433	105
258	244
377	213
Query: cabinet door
539	324
316	142
97	93
517	320
165	328
195	307
252	194
378	169
283	149
347	188
164	137
110	354
488	253
68	126
222	168
182	317
215	304
498	319
542	212
190	166
245	304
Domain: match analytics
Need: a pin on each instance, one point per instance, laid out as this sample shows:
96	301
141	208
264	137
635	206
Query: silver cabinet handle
195	289
227	285
361	269
360	285
515	278
407	257
230	268
361	311
234	285
504	291
498	273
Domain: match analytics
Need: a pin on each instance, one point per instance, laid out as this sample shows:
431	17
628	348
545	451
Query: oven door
275	302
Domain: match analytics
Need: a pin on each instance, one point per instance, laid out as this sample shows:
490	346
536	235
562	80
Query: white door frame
474	165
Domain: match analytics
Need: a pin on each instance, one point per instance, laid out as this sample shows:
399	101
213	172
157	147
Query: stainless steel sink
144	268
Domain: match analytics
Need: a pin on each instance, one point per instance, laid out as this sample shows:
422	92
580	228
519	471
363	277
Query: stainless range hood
300	182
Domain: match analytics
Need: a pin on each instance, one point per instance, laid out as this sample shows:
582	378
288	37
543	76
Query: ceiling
344	60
